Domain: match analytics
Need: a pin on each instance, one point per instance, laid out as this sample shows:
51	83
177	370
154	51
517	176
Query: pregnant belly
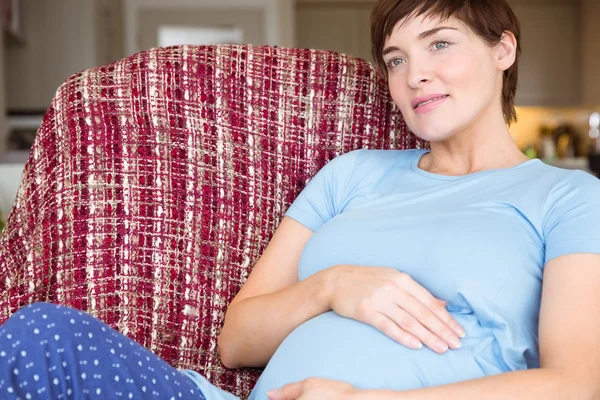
333	347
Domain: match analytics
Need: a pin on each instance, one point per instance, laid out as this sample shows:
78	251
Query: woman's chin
432	136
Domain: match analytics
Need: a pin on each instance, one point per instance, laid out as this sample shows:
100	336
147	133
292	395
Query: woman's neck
472	151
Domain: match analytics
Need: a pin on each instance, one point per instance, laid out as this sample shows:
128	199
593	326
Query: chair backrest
155	183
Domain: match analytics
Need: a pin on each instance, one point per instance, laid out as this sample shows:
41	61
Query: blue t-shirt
479	241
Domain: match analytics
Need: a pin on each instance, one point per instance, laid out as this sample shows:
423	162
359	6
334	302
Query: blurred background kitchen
42	42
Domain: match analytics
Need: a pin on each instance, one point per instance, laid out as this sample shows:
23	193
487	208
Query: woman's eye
394	62
440	45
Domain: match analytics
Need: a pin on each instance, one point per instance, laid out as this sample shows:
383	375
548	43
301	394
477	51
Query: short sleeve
324	195
572	216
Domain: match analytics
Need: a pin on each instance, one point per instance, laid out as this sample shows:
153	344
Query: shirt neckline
420	153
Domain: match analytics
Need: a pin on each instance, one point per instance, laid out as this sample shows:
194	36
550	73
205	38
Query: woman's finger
288	392
388	327
409	323
431	303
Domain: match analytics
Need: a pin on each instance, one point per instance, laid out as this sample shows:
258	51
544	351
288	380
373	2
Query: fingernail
271	393
455	342
416	344
444	303
441	346
460	331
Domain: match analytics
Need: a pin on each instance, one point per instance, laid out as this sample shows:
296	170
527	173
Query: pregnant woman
467	271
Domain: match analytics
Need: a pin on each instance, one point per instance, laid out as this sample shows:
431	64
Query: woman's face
447	64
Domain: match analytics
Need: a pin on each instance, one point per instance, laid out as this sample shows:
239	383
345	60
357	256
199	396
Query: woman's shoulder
570	192
567	180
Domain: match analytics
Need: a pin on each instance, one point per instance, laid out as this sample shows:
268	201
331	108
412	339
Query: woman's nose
418	74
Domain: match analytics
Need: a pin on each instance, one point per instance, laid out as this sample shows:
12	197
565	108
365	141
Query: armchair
155	183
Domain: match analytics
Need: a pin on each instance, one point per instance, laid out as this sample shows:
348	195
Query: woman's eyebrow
433	31
389	49
421	36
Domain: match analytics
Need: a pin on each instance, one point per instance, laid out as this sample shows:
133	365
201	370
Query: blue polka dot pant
55	352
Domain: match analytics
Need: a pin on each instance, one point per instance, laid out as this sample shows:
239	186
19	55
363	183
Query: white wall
59	41
279	15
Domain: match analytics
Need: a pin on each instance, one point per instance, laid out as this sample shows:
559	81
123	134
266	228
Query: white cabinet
550	67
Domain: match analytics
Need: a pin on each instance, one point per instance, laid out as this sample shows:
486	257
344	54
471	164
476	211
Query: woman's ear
506	51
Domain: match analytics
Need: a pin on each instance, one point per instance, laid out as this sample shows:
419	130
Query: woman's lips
421	109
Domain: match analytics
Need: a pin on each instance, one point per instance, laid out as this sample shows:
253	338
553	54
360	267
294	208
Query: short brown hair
489	19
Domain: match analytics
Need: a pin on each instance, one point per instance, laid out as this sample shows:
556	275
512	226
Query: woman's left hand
314	389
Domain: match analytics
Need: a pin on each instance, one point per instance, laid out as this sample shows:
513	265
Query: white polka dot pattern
74	354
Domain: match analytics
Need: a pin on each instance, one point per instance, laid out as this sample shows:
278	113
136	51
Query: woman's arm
272	303
569	347
544	383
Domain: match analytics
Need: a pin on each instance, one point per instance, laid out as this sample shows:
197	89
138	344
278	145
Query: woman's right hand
395	304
